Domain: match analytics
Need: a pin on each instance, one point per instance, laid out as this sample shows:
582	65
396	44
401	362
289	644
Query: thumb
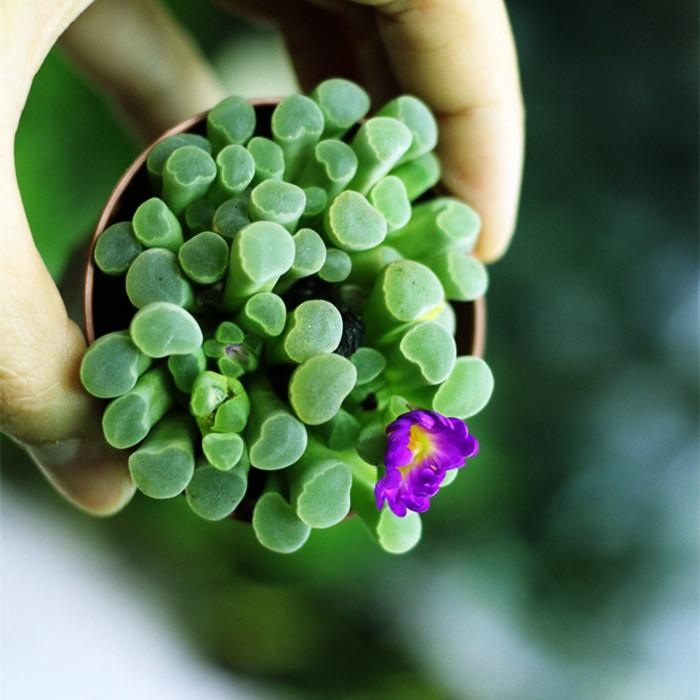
42	403
86	473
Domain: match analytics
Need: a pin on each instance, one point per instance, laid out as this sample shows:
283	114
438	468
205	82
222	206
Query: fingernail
87	473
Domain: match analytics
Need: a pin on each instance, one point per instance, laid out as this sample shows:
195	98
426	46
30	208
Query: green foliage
209	391
164	463
231	121
229	332
235	168
437	226
405	291
343	104
367	264
204	258
319	385
260	254
230	217
369	363
336	267
274	436
277	526
232	415
117	248
463	277
331	166
379	145
309	256
395	406
340	432
162	150
389	197
315	204
187	175
425	354
268	157
419	175
234	357
319	487
214	494
199	216
352	223
371	442
264	314
223	450
290	302
129	418
314	327
393	534
415	115
445	315
112	365
155	275
186	368
160	329
278	201
297	125
466	390
155	225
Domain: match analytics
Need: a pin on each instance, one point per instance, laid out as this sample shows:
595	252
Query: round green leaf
277	526
467	390
161	329
319	385
214	494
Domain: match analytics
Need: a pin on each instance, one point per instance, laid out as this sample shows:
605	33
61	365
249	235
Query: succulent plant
290	356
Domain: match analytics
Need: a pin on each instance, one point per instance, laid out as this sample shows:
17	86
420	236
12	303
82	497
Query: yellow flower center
420	445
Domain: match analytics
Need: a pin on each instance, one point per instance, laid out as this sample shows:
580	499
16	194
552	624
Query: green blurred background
563	561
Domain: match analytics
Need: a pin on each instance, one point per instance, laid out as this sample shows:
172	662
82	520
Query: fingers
482	154
87	474
29	29
456	55
343	41
327	38
459	56
145	60
41	400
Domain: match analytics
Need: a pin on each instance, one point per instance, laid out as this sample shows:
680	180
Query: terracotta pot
105	304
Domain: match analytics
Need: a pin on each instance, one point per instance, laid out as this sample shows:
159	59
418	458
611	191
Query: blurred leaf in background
71	150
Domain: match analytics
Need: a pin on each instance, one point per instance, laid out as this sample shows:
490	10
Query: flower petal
421	447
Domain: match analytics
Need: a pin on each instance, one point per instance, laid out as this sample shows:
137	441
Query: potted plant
284	317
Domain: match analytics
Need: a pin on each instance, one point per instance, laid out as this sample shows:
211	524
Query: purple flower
422	446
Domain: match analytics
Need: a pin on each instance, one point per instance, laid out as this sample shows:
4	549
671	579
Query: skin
457	55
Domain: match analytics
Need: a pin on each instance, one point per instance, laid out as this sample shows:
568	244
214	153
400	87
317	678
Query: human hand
42	402
456	55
